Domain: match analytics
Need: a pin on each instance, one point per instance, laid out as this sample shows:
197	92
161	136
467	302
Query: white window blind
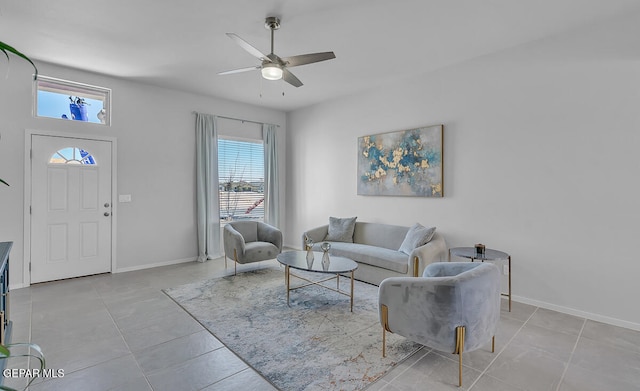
241	179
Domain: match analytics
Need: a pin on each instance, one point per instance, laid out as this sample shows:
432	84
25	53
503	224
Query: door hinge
31	154
30	209
29	266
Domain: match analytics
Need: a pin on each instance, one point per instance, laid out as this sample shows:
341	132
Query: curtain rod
239	119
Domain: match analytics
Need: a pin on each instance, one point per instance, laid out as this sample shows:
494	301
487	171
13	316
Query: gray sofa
375	249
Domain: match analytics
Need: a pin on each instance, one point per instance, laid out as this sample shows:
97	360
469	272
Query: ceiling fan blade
303	59
290	78
247	46
239	70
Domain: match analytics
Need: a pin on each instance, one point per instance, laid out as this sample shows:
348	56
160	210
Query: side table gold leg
509	259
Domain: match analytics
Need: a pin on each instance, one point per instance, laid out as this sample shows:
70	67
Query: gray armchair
250	241
453	307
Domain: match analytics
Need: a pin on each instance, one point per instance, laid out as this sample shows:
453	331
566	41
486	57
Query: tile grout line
390	382
144	374
575	346
484	371
248	367
121	335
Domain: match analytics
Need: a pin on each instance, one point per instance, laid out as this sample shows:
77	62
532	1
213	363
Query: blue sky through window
55	105
72	155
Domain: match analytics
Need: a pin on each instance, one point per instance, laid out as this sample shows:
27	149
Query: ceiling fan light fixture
272	71
273	67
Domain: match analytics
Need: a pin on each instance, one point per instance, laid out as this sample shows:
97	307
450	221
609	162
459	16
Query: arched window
72	155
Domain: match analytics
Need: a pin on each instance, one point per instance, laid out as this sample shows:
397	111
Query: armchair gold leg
385	328
416	266
493	344
460	331
235	262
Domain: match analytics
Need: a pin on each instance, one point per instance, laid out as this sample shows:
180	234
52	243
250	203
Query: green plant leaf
33	352
7	48
4	182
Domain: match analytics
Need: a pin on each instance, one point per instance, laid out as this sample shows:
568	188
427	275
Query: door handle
106	205
106	214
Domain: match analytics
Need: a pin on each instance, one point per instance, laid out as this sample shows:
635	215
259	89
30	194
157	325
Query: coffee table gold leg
286	280
351	290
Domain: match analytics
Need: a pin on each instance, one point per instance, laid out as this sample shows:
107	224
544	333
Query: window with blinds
241	179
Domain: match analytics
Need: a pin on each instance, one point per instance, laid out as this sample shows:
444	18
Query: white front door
70	207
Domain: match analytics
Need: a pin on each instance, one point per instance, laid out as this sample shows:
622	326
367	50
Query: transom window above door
72	155
69	100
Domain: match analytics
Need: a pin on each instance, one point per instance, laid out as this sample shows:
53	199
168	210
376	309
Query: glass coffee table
335	266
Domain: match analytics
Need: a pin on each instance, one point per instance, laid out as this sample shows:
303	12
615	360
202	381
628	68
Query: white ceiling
182	44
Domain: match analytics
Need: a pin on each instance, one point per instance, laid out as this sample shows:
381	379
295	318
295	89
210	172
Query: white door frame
26	279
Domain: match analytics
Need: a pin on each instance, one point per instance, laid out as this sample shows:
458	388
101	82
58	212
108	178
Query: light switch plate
124	198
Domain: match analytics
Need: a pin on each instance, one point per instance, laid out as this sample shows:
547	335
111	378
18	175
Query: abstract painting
404	163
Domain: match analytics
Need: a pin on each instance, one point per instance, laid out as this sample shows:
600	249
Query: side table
489	255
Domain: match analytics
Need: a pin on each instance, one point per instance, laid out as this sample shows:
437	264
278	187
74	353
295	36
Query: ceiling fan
274	67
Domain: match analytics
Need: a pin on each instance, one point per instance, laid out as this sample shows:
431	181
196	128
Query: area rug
315	343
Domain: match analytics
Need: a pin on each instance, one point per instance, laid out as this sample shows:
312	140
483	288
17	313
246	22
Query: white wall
541	160
155	131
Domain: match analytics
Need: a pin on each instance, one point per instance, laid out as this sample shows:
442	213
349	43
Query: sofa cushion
417	236
371	255
341	229
379	235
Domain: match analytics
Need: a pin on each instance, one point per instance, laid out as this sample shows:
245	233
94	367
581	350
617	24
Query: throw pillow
341	229
417	236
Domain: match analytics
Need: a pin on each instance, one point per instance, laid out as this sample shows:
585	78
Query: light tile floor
120	332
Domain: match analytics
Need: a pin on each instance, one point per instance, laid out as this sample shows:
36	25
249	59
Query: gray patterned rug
316	343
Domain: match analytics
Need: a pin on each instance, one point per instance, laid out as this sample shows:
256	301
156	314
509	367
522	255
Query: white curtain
207	194
271	182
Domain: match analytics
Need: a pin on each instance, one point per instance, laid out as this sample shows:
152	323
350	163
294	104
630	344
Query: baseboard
17	286
152	265
582	314
127	269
